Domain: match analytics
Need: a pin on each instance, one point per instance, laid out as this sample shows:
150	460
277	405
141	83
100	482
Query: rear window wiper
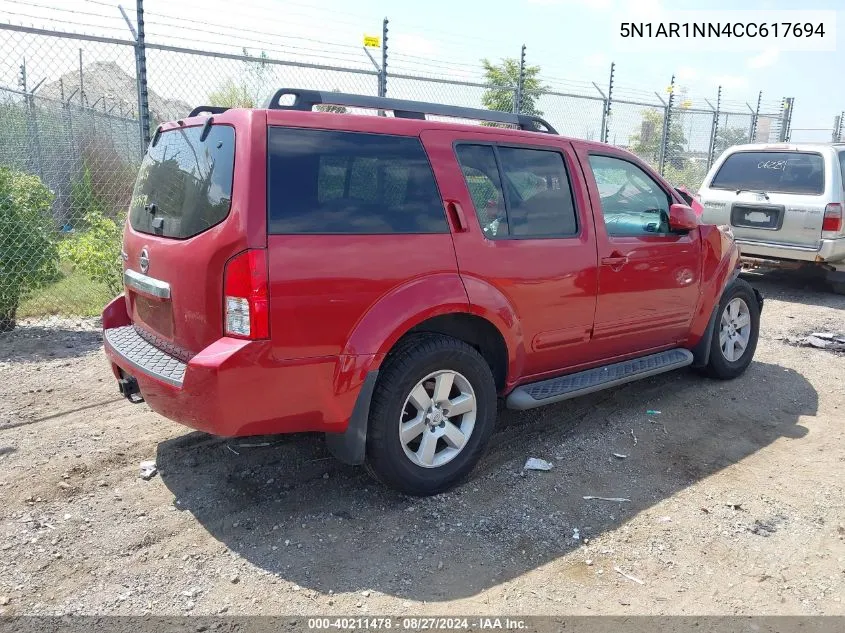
762	193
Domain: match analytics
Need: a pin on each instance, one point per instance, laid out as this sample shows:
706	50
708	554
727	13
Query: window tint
188	181
531	198
539	199
772	172
346	182
632	203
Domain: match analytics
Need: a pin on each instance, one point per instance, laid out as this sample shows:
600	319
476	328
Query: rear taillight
246	309
832	222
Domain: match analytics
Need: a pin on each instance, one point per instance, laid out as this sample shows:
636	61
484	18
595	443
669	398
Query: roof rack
305	100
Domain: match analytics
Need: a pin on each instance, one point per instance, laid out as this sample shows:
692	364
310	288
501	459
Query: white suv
784	204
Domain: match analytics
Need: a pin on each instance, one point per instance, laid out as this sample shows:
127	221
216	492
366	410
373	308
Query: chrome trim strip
147	285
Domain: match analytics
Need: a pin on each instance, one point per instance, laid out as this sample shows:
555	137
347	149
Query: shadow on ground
808	288
289	509
34	343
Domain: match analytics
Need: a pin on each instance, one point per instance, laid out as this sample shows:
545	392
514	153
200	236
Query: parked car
385	280
784	204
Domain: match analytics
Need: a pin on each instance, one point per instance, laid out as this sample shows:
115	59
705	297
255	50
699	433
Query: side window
531	197
632	203
322	181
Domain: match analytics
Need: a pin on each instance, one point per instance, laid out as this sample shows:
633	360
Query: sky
571	40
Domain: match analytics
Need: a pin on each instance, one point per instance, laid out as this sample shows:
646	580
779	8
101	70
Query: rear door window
322	181
184	185
519	192
772	172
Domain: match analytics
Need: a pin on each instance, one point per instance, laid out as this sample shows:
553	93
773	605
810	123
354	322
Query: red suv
386	279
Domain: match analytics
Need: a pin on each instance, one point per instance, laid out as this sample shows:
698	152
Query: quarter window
351	183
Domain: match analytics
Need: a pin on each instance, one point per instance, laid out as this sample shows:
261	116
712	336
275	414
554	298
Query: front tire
737	330
432	415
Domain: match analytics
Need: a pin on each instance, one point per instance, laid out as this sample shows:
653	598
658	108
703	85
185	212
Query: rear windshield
772	172
322	181
184	185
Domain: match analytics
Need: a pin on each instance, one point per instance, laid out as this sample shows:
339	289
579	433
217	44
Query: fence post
786	126
141	78
755	118
714	130
520	83
607	105
383	73
667	126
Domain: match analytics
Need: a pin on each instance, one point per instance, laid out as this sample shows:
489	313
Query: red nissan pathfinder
386	280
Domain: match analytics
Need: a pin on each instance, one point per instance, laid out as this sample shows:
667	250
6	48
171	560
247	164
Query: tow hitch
129	388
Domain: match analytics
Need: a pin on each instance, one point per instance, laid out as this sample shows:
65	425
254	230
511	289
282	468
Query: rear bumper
235	387
829	251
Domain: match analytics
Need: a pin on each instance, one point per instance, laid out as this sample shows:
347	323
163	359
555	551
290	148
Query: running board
545	392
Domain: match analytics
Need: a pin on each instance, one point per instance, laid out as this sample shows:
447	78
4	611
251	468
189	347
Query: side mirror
682	218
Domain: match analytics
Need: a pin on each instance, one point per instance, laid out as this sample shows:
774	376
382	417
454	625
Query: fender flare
701	351
397	313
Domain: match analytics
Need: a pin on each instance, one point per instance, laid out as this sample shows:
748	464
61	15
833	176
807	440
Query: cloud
768	57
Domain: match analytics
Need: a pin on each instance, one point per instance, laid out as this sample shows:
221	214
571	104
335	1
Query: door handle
616	260
456	216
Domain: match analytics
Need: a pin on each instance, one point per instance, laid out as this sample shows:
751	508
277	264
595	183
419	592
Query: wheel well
476	331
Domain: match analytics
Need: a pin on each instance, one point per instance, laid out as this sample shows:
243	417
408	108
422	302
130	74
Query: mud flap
350	447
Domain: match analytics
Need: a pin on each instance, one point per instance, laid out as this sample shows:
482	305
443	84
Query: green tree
96	251
249	90
647	141
28	253
503	79
231	95
728	137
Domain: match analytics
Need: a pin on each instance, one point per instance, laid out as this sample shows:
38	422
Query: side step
573	385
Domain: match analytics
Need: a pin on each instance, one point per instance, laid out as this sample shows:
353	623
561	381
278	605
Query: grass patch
73	294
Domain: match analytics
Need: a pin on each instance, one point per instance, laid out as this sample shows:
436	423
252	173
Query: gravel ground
736	498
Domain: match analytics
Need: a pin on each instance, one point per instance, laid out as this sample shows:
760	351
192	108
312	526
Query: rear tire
737	330
432	415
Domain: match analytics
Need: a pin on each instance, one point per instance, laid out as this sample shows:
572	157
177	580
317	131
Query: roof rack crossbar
209	109
305	100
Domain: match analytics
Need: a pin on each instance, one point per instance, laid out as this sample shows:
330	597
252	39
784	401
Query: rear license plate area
754	216
156	314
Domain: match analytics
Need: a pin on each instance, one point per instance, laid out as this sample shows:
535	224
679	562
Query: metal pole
608	104
667	126
756	117
81	84
714	130
790	107
141	69
520	82
383	73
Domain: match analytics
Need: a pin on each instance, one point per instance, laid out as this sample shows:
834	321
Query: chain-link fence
73	138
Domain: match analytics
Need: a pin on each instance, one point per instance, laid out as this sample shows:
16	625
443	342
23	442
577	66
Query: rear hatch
190	213
776	196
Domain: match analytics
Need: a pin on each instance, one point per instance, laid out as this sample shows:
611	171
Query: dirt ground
737	498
